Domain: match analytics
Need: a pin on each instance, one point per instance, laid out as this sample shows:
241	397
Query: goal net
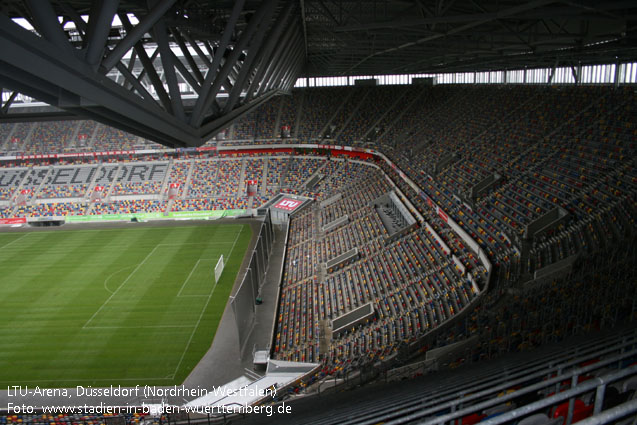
219	268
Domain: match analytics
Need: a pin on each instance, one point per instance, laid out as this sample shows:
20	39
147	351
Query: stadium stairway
351	113
242	175
299	114
91	141
337	111
191	168
277	121
164	185
71	143
25	138
5	131
387	113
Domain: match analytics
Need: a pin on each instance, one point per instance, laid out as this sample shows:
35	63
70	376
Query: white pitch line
100	245
119	287
179	294
193	243
118	229
188	278
181	359
15	240
95	379
141	327
113	274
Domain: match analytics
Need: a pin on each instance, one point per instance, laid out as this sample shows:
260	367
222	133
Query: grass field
127	306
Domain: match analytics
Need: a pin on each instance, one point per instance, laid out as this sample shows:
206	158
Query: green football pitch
116	306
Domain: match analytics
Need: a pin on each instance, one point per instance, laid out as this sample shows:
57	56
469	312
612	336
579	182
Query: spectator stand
5	131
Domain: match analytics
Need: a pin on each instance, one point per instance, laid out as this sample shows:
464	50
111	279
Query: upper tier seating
571	148
412	283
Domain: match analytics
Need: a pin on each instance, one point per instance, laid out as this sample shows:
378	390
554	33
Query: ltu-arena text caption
17	407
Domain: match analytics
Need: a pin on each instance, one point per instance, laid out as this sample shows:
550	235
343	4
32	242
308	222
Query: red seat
472	419
580	411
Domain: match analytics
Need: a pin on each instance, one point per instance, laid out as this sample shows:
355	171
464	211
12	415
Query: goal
219	268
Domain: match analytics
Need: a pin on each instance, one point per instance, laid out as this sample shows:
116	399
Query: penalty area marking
205	307
119	287
15	240
113	274
143	327
183	285
86	325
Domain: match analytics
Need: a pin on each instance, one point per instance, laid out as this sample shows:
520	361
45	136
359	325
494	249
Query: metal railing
548	368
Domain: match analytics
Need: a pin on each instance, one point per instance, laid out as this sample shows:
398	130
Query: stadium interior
456	183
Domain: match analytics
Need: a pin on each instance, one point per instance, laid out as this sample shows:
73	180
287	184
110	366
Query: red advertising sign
174	185
25	191
288	204
98	188
442	215
13	220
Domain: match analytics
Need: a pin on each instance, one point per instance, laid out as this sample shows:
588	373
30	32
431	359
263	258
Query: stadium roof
178	71
424	36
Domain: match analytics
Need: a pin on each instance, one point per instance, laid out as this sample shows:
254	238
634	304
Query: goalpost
219	268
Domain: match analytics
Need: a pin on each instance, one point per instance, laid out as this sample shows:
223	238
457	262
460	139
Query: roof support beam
184	50
166	55
454	19
209	48
99	26
286	64
142	74
200	53
147	63
7	104
253	55
33	66
121	83
290	77
576	73
131	65
33	88
74	16
135	34
47	24
208	89
553	71
304	25
266	56
292	74
196	86
136	84
275	63
493	16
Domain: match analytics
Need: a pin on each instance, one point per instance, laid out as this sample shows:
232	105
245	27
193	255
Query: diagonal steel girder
233	57
5	108
209	88
33	66
255	50
48	67
266	52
